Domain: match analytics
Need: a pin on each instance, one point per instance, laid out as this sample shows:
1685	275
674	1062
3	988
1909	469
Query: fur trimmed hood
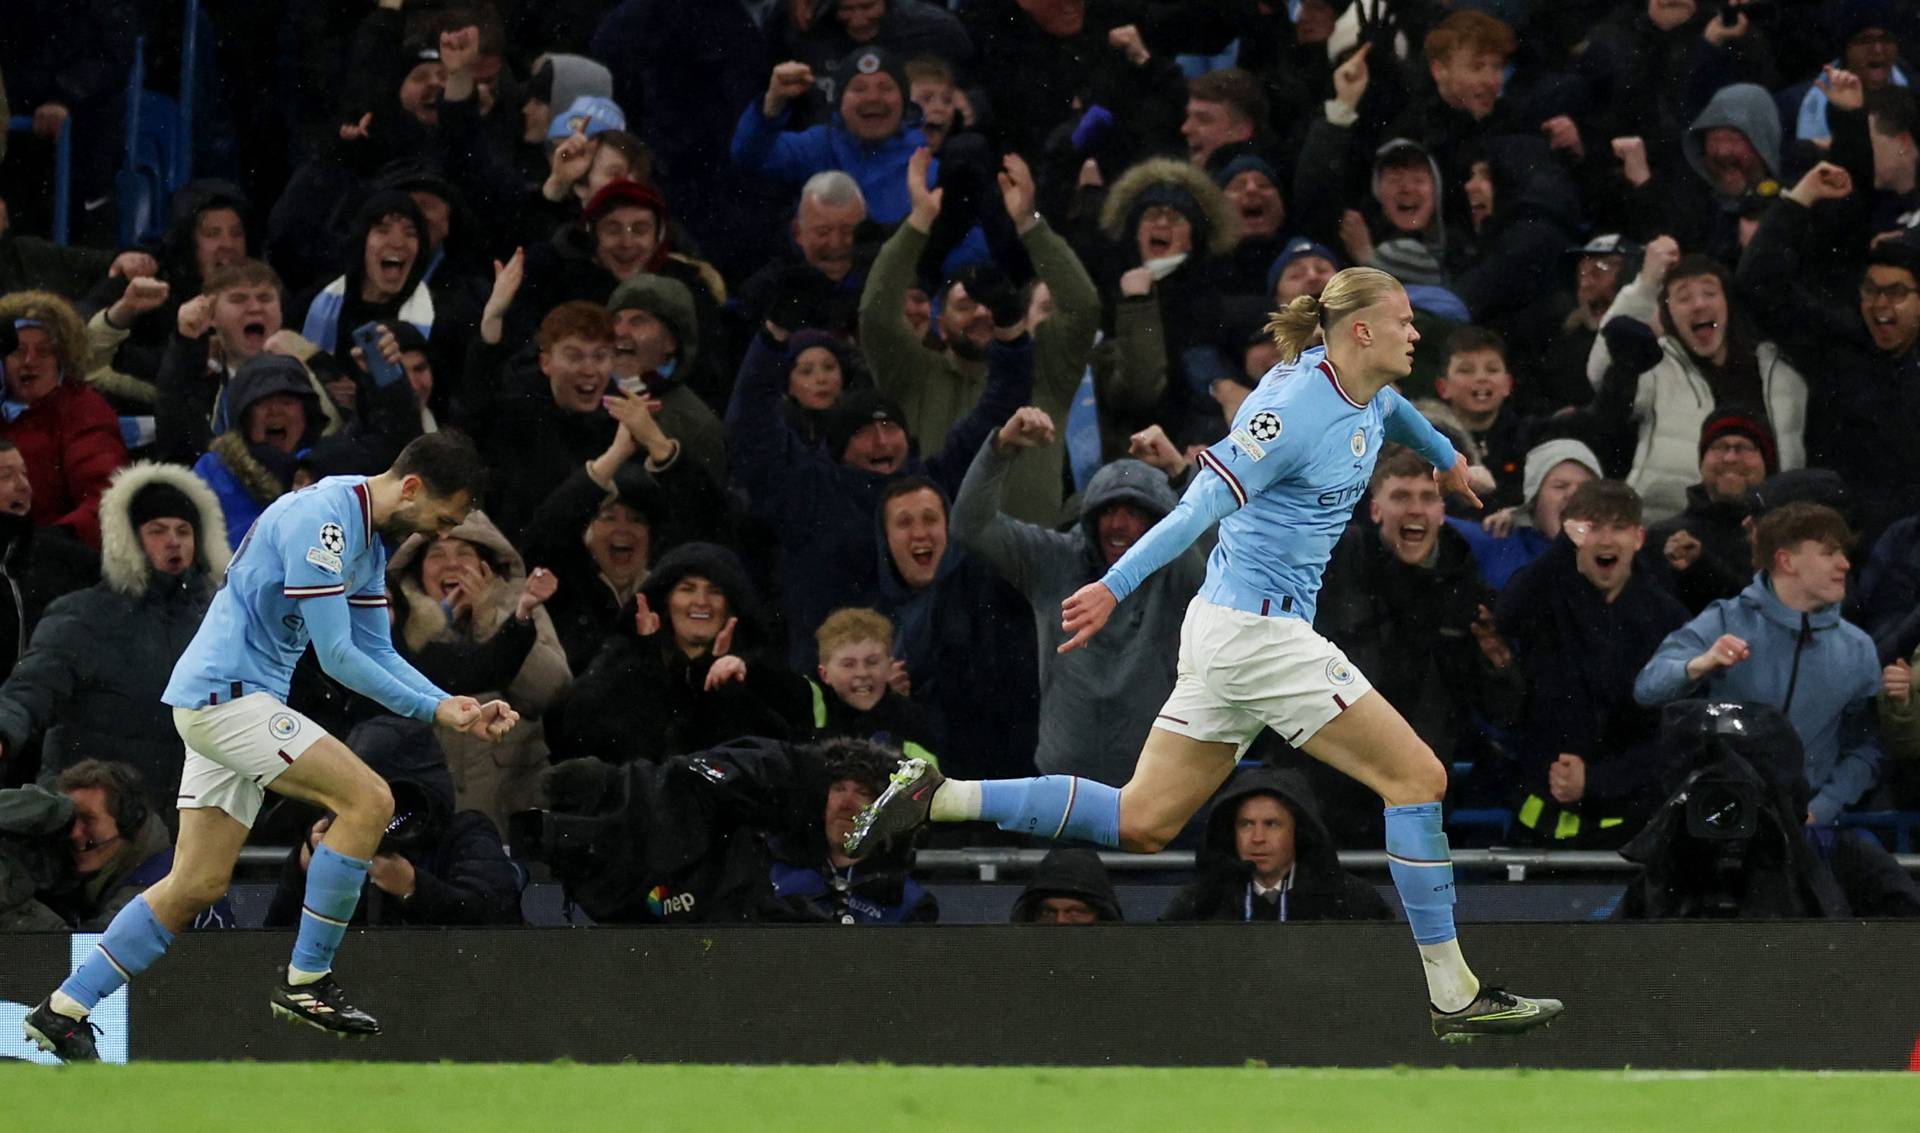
123	564
1175	179
426	620
63	323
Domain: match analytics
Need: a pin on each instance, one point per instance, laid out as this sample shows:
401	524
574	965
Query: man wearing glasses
1856	350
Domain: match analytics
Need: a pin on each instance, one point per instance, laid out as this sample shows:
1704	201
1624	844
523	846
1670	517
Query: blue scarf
322	327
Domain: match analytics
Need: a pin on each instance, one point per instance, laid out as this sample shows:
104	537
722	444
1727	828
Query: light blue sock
132	943
334	881
1422	868
1054	806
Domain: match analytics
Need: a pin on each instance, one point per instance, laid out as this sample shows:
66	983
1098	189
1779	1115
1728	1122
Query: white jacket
1673	400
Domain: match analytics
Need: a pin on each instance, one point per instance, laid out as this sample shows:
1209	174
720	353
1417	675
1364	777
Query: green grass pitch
416	1098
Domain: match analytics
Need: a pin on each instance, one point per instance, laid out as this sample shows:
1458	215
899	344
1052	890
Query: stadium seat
1193	66
1894	827
1482	825
159	139
62	172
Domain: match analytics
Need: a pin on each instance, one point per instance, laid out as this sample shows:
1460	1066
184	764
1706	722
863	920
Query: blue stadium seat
159	138
1900	824
62	172
1193	66
1484	825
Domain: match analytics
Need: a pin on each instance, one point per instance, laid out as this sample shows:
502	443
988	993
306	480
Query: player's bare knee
1144	837
1422	779
193	894
368	804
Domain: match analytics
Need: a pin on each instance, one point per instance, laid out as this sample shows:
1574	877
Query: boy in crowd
1583	621
1476	383
860	692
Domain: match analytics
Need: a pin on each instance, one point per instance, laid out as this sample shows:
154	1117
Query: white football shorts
1240	672
234	750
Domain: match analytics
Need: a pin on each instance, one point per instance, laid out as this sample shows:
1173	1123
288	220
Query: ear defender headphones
129	798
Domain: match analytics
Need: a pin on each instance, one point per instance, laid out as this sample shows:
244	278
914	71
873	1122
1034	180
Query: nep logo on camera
664	902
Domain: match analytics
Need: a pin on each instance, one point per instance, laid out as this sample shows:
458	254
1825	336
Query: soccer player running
1282	486
311	568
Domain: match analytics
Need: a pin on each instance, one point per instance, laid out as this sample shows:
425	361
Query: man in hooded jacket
821	498
91	681
811	871
1097	703
1272	862
1069	886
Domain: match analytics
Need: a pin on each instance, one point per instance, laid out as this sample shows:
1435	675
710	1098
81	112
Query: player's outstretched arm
330	622
1455	481
373	636
1208	499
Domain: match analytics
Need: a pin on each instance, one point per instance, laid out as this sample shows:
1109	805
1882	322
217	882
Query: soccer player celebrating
311	568
1282	486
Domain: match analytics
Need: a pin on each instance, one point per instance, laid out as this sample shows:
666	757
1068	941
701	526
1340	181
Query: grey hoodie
1410	258
1096	703
1748	108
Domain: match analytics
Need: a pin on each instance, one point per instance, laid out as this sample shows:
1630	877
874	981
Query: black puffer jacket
100	658
1320	889
644	698
1409	630
1580	655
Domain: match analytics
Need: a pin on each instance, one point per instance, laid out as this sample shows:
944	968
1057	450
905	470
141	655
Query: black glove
990	287
1632	344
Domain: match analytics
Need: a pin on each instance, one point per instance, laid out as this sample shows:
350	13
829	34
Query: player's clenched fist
489	721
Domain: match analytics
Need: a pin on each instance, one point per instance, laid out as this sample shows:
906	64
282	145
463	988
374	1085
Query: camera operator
69	860
1783	642
435	866
1729	841
813	873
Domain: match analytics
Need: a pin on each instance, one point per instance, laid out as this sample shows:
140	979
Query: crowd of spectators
821	347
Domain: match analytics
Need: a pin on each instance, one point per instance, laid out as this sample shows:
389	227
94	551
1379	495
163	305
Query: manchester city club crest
1358	442
283	727
1339	672
1264	426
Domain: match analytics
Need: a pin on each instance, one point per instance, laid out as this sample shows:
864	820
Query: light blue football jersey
1282	484
313	544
